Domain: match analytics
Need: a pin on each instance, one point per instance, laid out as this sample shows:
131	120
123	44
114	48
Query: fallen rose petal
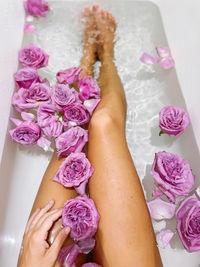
167	63
91	104
29	18
198	191
148	59
26	116
16	121
160	209
44	143
163	237
80	189
86	246
163	51
29	28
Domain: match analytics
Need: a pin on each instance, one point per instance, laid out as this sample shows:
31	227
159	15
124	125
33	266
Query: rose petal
163	237
148	59
26	116
86	246
167	63
29	18
81	188
198	191
163	51
16	121
160	209
44	143
91	104
29	28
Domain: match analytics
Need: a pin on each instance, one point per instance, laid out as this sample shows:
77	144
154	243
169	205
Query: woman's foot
106	26
90	46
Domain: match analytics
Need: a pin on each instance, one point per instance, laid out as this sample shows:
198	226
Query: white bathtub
181	22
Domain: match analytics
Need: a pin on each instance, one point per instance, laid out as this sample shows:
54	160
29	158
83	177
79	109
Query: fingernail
67	230
51	202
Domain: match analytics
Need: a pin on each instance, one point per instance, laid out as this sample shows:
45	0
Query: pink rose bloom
73	140
188	223
26	133
81	216
173	120
25	77
88	88
24	99
75	171
172	175
32	56
48	119
76	114
36	7
63	95
69	76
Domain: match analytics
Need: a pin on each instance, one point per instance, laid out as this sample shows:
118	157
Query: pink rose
63	95
25	77
88	88
172	175
33	56
173	120
75	171
73	140
24	99
69	76
36	7
188	223
48	119
81	216
76	114
26	133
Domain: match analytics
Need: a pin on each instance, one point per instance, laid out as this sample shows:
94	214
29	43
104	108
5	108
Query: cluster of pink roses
173	177
58	112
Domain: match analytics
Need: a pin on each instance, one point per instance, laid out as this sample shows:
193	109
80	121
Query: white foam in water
147	88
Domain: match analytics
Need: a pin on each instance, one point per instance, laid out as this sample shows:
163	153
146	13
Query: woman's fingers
48	222
44	217
41	213
58	242
31	219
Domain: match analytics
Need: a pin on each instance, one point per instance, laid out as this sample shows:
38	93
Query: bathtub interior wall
147	88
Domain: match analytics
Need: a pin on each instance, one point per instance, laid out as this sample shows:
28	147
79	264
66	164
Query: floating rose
76	114
160	209
24	99
73	140
25	77
88	88
163	237
81	216
173	120
75	171
172	175
63	95
69	76
32	56
36	7
26	133
188	223
48	119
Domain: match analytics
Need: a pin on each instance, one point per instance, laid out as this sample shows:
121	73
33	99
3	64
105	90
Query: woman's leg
125	236
50	189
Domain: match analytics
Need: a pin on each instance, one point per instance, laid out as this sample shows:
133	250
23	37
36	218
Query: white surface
147	92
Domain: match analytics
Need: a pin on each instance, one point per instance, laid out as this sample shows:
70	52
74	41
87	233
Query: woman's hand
36	252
